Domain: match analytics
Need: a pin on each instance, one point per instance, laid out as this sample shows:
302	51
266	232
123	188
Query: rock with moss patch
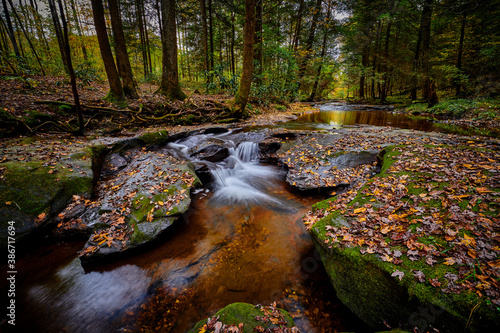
247	318
141	201
402	249
33	192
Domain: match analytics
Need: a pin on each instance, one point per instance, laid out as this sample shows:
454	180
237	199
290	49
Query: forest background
266	51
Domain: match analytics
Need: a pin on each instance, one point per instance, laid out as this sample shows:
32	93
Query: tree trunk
66	51
10	30
233	33
211	31
79	30
383	92
170	86
310	39
258	42
426	41
323	51
458	84
142	36
204	38
241	98
115	86
296	37
122	59
26	36
364	64
59	33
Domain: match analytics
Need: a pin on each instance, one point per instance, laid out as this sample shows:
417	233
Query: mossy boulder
250	316
34	191
143	199
413	246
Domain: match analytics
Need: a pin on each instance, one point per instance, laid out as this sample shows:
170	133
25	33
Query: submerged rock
247	318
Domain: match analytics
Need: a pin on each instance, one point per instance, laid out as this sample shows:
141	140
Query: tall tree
67	55
10	29
204	37
122	59
79	29
241	98
170	86
115	85
26	36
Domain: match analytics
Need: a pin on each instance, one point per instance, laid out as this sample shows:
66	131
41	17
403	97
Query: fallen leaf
398	274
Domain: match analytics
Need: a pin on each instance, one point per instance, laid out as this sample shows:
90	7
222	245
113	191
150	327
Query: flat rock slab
32	192
139	203
420	235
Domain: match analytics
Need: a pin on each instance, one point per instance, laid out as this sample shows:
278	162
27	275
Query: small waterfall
241	179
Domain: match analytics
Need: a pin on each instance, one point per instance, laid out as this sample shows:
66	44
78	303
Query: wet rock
399	284
216	130
315	162
249	318
32	193
113	163
143	200
212	153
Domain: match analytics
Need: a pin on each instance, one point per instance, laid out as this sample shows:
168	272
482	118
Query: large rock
314	162
414	246
247	318
33	192
143	199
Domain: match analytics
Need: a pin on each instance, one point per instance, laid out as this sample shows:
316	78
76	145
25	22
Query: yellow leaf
385	230
495	264
8	203
160	203
482	190
449	261
359	210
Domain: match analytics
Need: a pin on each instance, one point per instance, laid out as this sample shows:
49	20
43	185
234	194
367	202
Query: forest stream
242	240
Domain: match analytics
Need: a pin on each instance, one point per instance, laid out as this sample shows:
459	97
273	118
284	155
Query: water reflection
77	302
338	118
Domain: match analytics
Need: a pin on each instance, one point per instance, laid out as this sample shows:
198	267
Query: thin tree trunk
383	93
296	37
310	39
115	86
241	98
79	30
426	40
27	37
458	85
233	33
139	8
259	8
67	54
323	52
211	31
170	86
122	59
59	33
10	30
204	38
364	64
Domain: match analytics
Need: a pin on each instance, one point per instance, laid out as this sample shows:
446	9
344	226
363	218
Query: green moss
154	137
245	313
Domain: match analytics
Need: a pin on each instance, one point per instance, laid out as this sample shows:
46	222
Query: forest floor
27	107
32	104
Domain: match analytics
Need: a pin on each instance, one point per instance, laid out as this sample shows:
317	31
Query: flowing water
242	240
